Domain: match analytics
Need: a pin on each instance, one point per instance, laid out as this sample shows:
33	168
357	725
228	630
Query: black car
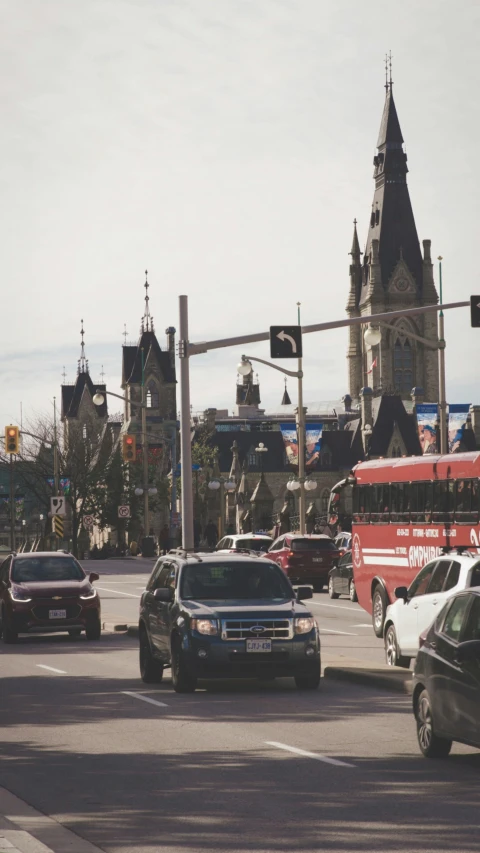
340	578
446	692
225	616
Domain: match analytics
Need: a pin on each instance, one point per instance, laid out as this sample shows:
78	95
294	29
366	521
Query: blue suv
225	616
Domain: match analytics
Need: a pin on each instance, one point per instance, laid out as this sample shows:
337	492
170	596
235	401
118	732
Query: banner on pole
313	439
426	420
290	443
457	419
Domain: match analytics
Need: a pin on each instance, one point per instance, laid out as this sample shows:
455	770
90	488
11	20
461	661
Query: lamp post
221	484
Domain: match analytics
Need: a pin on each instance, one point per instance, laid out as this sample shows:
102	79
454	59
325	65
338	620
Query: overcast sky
225	145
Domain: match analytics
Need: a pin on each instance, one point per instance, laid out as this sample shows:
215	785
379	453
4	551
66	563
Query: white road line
144	698
118	591
331	631
350	610
307	754
51	669
362	625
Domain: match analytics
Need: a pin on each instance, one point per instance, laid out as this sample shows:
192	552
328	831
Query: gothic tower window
152	396
403	365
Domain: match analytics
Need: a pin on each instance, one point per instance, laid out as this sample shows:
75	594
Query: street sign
475	311
286	341
58	506
124	512
58	526
88	521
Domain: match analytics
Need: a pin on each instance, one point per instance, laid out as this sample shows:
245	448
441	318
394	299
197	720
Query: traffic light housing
475	311
129	448
12	439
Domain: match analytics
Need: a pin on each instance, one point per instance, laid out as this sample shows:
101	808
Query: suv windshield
232	581
39	569
313	545
253	544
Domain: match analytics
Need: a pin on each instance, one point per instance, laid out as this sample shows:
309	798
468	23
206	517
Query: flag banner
19	508
426	420
374	364
457	419
290	442
63	484
313	439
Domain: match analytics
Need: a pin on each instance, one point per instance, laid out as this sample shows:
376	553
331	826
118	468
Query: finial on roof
102	374
124	334
147	319
390	65
388	68
64	375
82	363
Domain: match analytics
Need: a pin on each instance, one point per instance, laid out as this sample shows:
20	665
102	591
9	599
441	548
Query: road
234	767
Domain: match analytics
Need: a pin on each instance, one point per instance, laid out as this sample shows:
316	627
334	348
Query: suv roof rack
460	549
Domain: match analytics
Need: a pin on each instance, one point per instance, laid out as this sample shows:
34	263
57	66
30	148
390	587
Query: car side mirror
304	592
469	650
163	594
401	592
93	577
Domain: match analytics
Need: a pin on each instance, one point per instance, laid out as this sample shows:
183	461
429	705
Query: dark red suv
305	559
44	592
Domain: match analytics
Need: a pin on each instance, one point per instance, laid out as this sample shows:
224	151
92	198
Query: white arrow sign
58	506
283	337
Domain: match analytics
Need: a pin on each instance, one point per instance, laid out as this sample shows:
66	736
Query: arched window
252	458
152	396
325	499
403	365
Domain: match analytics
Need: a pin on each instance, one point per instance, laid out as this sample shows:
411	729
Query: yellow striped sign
58	526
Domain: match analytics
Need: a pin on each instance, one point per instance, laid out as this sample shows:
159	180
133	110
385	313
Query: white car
417	607
244	542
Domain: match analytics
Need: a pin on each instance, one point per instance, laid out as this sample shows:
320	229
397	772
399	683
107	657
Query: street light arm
296	373
119	397
433	345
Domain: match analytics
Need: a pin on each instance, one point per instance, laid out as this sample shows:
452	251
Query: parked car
305	558
47	592
340	578
225	616
343	541
244	542
417	606
446	681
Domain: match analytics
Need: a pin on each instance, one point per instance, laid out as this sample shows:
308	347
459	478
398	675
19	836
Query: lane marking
362	625
118	591
307	754
51	668
331	631
145	698
350	610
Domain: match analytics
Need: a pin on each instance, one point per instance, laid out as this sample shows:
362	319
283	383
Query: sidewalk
25	830
356	671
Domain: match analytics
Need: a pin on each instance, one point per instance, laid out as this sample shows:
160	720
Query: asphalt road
234	767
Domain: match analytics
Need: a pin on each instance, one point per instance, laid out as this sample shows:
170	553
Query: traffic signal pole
187	349
12	506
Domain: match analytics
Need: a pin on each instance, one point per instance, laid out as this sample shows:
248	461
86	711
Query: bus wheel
379	609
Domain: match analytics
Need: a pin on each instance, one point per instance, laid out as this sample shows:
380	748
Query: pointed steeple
355	272
286	401
355	252
390	126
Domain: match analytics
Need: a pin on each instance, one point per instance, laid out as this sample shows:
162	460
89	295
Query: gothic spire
82	361
147	319
355	251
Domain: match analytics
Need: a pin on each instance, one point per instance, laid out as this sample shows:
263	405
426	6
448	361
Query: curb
121	628
396	680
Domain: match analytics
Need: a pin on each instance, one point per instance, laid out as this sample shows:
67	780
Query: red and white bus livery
404	513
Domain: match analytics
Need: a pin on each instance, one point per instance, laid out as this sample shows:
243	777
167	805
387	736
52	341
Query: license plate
317	560
57	614
259	645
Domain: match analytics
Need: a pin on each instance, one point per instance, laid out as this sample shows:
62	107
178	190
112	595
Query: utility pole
12	506
301	443
56	476
442	402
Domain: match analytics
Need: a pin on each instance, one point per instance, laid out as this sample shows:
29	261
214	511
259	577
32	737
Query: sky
226	146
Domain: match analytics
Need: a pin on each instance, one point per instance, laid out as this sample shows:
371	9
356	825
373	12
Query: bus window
466	501
380	505
443	500
421	502
361	503
399	502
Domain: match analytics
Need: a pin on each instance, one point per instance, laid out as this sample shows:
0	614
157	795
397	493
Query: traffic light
12	439
129	448
475	311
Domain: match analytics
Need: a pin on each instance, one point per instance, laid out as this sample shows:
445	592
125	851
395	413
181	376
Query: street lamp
222	485
372	335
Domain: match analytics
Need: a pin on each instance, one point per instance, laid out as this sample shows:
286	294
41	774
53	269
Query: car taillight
291	554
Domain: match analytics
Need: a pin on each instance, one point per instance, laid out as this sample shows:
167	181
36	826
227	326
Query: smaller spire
124	334
147	319
82	362
64	375
286	401
355	253
102	374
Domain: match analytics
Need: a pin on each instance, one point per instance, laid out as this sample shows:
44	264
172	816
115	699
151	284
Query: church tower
393	276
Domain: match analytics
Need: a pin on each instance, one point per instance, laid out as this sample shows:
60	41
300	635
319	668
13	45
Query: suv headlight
18	594
205	626
91	593
304	624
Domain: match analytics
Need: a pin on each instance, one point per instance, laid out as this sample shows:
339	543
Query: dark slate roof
390	125
390	411
132	359
72	395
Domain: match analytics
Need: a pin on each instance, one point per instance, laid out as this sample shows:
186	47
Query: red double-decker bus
404	512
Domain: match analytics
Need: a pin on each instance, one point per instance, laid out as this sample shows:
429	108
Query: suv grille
240	629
